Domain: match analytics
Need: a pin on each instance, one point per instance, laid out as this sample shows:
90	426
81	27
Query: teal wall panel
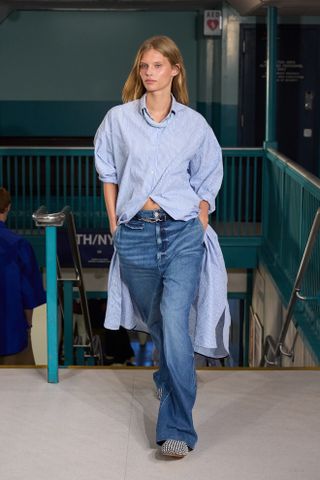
61	71
81	55
229	126
76	118
52	118
211	112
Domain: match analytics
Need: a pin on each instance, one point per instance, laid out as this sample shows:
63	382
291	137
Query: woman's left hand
204	219
204	213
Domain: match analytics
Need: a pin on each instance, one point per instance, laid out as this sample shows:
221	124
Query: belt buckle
148	220
160	217
157	218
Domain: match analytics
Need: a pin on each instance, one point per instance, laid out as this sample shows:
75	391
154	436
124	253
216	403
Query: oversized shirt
177	163
20	289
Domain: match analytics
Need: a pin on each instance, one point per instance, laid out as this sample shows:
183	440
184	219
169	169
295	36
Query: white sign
212	23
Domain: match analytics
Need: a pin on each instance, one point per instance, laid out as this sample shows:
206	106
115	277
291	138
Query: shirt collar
175	106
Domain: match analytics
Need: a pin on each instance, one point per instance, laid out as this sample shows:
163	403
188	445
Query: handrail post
271	77
50	222
52	306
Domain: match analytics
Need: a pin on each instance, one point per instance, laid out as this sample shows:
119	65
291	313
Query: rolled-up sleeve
103	152
206	169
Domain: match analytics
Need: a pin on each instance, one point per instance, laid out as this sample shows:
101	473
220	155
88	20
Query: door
298	112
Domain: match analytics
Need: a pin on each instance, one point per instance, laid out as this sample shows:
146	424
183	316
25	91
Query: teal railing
239	202
53	177
58	177
291	200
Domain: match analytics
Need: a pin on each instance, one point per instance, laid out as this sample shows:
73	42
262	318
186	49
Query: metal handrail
278	349
71	229
44	219
301	171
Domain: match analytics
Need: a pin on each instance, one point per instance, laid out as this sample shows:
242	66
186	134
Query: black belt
158	217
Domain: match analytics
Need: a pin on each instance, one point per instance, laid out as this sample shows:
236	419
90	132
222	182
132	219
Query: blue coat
20	289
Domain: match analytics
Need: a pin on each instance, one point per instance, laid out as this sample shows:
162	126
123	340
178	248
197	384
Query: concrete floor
99	424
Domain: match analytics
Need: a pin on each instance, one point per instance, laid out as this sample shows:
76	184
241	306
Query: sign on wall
212	23
95	247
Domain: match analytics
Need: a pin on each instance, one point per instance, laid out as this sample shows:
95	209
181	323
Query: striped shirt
177	163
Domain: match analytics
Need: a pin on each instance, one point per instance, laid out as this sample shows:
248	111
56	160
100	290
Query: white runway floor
99	424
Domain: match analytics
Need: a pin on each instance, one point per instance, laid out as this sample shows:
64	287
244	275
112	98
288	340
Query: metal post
271	86
48	181
68	322
246	323
52	307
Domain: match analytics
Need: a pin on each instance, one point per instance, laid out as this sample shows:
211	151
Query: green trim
247	152
271	94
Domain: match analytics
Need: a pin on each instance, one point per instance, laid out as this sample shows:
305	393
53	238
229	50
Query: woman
161	169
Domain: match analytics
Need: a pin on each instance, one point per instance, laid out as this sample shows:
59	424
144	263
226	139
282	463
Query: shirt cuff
109	178
208	197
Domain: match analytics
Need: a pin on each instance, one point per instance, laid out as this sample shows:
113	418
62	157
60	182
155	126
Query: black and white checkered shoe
174	448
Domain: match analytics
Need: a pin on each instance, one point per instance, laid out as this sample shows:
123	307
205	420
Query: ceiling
244	7
285	7
111	4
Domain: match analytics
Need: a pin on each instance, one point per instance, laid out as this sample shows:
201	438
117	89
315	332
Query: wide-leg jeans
160	261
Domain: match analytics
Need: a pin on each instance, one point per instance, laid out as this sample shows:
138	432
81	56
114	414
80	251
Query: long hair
134	88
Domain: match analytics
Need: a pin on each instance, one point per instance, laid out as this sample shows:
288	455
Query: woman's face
156	71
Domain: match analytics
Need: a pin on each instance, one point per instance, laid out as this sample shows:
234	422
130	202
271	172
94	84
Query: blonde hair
134	88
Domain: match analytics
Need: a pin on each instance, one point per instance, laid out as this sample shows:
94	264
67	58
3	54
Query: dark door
298	106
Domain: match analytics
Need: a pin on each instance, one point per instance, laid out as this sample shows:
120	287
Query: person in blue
161	168
21	290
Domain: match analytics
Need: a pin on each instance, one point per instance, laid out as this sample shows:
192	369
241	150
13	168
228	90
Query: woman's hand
204	213
110	191
113	229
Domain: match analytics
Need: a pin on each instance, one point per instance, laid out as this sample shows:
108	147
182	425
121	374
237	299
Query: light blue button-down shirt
177	163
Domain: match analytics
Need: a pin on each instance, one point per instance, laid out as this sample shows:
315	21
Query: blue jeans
160	263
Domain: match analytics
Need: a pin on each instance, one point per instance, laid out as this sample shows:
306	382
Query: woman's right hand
113	229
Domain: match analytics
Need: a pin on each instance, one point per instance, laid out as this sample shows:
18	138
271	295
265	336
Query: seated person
21	290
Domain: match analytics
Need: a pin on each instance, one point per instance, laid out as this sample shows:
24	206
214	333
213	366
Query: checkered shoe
174	448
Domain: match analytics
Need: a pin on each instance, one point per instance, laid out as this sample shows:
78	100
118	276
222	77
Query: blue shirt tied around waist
177	163
20	289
